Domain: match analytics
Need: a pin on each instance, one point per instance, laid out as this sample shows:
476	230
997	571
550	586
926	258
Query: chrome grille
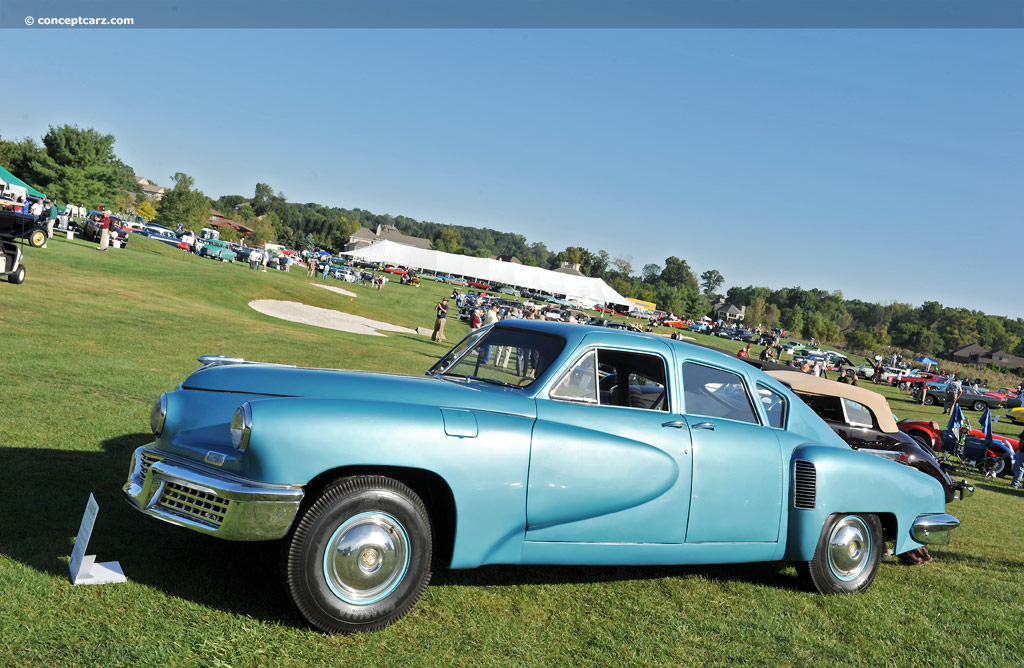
147	462
193	503
805	484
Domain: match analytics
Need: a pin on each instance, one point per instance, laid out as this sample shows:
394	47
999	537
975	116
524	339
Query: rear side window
716	393
858	414
775	405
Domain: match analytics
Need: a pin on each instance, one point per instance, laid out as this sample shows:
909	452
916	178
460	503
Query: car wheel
847	556
921	440
929	400
360	557
18	277
37	237
978	406
1001	466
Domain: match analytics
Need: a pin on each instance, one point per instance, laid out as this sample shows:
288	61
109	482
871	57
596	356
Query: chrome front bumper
933	529
215	503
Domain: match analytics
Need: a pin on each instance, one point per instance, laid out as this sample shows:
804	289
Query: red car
929	434
482	286
400	272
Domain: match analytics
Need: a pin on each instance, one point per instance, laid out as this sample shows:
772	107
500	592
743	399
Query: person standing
1018	464
953	392
490	317
475	320
264	258
104	231
51	219
441	311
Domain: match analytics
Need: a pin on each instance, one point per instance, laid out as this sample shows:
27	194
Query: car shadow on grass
46	491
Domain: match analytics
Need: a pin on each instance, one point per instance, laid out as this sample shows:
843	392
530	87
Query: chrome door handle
710	426
678	424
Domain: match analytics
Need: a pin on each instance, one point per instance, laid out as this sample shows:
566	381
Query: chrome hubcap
849	547
366	558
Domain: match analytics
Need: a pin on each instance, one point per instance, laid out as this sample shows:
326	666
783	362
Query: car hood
283	381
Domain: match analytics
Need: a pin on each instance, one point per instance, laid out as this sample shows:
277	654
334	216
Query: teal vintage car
218	250
529	442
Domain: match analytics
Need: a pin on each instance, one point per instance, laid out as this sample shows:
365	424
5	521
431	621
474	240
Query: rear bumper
215	503
933	529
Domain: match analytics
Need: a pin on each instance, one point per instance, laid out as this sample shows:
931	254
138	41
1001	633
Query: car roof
808	384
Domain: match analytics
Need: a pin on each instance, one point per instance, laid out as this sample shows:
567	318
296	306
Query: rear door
737	460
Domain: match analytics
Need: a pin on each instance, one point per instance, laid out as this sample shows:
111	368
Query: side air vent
805	484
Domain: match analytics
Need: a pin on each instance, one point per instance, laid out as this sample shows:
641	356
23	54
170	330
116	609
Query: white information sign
84	569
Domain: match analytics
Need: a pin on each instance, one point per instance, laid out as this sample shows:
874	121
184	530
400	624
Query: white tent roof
494	271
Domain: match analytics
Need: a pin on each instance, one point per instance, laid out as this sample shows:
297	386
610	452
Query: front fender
847	481
483	458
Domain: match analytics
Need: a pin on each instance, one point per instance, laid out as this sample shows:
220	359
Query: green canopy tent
7	177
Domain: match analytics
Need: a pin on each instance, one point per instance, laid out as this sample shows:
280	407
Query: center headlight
241	427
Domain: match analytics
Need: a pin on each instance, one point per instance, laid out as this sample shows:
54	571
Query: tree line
79	166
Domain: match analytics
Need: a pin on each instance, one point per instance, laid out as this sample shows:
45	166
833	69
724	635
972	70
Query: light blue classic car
528	443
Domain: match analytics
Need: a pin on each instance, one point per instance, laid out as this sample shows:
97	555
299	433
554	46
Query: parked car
1015	415
593	446
928	434
968	398
509	290
742	335
92	230
218	250
864	420
15	225
158	230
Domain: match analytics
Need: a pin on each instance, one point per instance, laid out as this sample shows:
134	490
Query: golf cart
10	252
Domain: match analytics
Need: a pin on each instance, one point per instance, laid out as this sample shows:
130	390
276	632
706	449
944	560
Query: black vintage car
17	225
968	399
863	419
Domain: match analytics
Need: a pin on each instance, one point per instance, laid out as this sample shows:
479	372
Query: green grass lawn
92	339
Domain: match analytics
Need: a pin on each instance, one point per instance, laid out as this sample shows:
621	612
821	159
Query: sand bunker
340	291
323	317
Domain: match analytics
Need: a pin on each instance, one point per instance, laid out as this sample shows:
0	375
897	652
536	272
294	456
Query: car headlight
241	427
158	415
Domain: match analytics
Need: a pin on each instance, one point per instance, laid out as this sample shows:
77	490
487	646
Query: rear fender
847	481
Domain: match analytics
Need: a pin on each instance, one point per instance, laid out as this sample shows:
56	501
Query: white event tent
591	290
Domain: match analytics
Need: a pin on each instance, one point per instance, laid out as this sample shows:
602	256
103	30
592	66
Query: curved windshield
511	357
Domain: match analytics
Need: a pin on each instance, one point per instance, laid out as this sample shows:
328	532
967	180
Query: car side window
579	383
775	405
624	379
858	414
716	393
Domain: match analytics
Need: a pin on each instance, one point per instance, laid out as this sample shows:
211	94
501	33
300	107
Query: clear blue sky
872	162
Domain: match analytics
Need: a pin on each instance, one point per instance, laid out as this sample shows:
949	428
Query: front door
609	462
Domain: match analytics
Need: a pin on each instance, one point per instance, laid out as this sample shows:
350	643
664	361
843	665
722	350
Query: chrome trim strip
933	529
